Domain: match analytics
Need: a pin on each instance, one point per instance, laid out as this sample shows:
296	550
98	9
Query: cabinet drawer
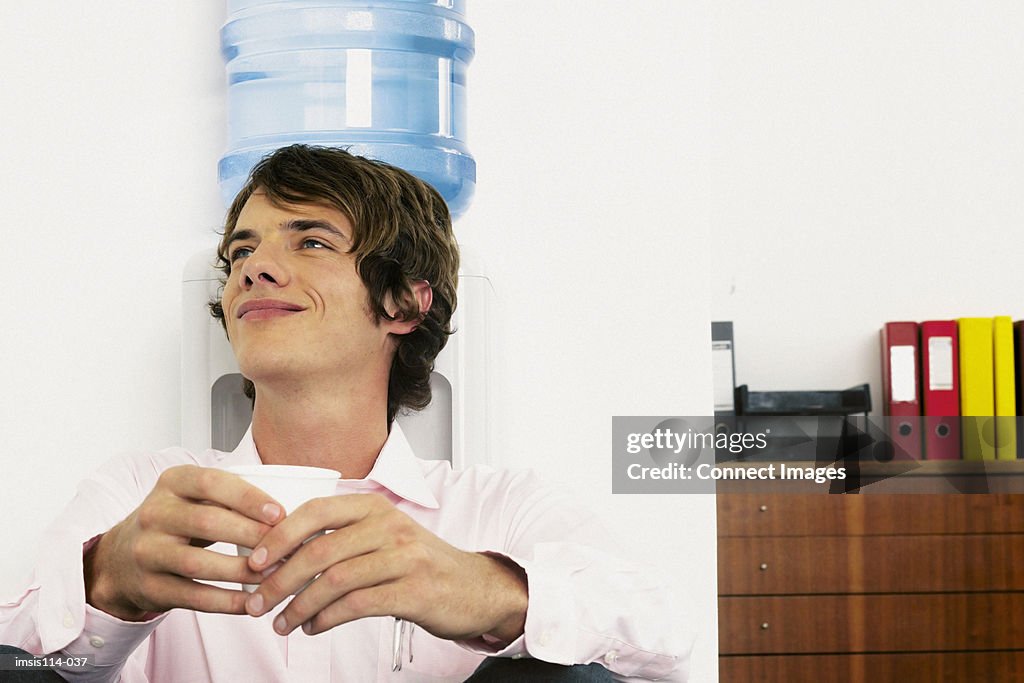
751	514
870	564
951	667
871	623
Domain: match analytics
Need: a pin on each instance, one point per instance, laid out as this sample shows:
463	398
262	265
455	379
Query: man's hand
378	562
147	563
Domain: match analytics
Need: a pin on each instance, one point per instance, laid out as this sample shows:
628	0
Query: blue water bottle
385	79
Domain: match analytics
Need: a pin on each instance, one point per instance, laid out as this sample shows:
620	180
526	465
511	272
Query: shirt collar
397	468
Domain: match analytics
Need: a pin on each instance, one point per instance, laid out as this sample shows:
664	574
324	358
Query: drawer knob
764	508
764	626
764	566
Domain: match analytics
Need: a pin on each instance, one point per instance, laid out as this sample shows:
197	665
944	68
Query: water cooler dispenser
384	79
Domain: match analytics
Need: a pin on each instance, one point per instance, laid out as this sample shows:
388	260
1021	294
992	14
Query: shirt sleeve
50	615
587	603
108	642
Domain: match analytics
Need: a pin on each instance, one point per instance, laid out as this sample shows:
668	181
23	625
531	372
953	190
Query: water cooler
384	79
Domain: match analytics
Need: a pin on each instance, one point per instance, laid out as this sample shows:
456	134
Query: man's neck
340	430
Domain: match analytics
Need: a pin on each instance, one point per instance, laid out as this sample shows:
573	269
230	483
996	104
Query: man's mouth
261	309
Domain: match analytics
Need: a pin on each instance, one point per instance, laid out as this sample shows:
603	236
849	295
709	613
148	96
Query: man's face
294	305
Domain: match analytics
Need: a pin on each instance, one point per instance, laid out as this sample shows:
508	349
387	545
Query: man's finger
214	523
338	581
188	594
309	561
196	563
376	601
319	514
224	488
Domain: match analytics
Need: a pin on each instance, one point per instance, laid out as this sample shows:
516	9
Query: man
340	285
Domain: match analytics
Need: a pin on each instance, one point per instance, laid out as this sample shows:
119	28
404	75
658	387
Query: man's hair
402	232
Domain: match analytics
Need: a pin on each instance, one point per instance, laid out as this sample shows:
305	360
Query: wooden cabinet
872	587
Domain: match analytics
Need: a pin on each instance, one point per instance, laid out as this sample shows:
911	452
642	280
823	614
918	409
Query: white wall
112	119
869	160
589	122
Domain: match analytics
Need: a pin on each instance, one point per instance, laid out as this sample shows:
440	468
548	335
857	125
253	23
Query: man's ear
424	295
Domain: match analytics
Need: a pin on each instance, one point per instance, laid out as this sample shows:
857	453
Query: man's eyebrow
296	225
303	224
237	236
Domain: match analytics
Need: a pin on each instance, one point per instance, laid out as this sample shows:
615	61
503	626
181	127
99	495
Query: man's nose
265	267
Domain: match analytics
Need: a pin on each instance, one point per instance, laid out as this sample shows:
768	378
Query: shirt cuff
109	641
555	632
550	630
492	647
551	619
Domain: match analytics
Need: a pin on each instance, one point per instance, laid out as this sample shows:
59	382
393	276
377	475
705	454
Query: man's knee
496	669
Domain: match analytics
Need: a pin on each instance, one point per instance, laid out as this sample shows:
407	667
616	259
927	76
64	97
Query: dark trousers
504	670
494	670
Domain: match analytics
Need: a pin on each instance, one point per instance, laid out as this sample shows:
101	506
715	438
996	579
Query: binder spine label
940	363
723	373
903	373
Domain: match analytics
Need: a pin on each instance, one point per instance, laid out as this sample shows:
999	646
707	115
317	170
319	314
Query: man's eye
240	252
317	244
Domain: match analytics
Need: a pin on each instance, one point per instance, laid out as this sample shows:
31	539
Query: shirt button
518	655
69	621
611	657
545	639
97	642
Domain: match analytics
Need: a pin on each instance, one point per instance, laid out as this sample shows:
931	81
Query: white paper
902	373
940	363
721	368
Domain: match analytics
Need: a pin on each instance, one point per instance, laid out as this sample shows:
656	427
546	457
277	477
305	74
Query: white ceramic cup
289	485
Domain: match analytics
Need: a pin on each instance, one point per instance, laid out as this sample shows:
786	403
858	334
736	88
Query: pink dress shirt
585	605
